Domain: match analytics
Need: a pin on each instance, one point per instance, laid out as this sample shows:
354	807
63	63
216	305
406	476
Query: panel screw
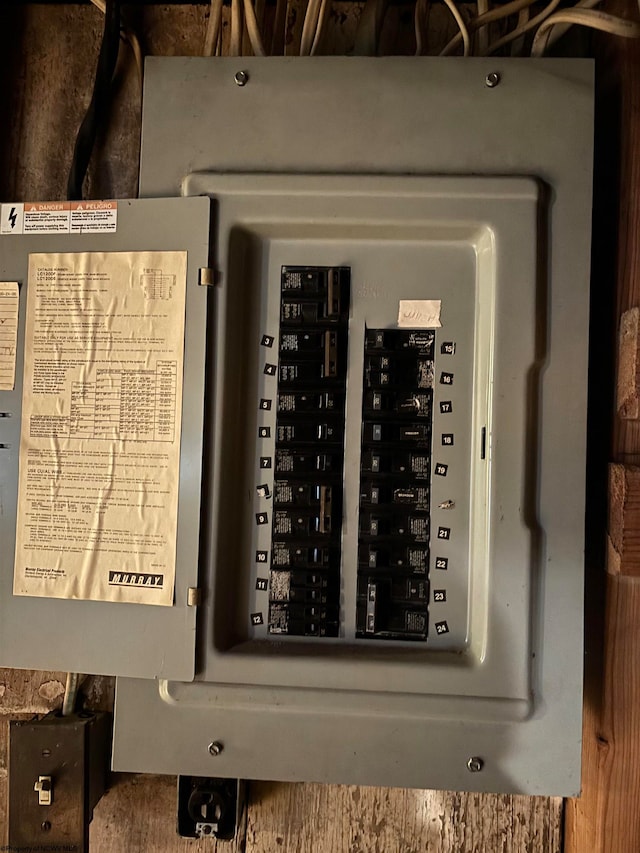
45	826
492	79
241	78
475	764
215	748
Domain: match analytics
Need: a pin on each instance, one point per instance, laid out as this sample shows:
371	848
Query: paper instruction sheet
9	299
101	420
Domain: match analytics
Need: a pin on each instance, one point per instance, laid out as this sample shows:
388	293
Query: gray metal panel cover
402	116
95	636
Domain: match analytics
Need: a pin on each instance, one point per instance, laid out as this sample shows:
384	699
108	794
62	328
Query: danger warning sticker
59	217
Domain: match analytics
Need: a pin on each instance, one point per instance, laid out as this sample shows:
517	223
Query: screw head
492	79
45	826
215	748
241	78
475	764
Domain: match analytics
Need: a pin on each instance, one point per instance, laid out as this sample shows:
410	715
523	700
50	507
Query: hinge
194	596
206	276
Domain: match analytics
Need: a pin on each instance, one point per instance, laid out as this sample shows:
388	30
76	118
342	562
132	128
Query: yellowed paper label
101	420
9	299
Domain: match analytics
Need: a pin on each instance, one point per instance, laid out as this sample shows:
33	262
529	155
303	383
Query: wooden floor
48	55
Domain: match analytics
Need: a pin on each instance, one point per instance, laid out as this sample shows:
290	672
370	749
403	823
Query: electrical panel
393	373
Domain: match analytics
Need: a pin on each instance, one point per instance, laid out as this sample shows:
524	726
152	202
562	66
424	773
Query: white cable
464	32
235	40
488	18
483	32
214	26
279	27
420	20
519	31
585	18
560	29
309	27
517	45
70	693
255	37
369	30
323	18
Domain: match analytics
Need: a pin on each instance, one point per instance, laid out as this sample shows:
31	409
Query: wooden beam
623	556
606	818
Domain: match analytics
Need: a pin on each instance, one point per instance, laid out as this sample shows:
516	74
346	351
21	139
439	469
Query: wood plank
331	818
624	520
628	401
606	818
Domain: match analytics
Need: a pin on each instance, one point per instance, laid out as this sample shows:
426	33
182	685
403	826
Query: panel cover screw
215	748
241	78
475	764
492	79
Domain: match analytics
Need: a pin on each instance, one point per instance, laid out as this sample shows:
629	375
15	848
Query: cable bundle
246	35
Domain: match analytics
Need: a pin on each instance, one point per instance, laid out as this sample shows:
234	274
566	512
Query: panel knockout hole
475	764
215	748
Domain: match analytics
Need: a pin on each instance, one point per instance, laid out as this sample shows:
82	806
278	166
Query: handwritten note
419	314
8	333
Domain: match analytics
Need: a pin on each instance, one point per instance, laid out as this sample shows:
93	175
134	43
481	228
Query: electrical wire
100	99
235	41
279	27
491	17
214	25
323	19
517	45
130	38
559	30
482	7
309	27
520	31
70	693
464	32
251	22
367	40
421	20
592	18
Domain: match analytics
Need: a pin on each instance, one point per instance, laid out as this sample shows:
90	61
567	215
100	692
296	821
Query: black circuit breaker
397	418
304	587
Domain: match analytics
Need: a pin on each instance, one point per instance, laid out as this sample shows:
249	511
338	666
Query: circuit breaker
379	574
